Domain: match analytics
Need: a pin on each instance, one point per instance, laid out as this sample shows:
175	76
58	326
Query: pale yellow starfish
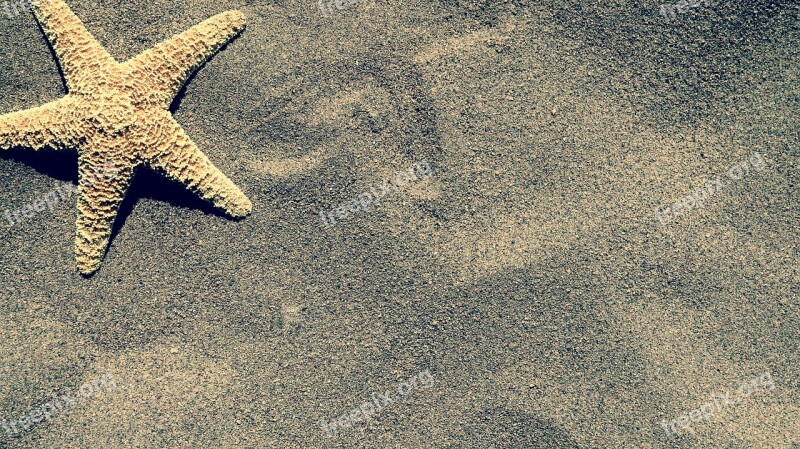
118	115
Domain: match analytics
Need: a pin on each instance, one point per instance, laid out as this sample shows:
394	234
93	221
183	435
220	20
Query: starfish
117	115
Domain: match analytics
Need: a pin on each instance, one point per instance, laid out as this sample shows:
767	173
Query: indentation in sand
290	166
342	105
460	44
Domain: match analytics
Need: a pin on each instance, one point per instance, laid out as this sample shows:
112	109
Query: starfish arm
100	193
78	52
168	65
47	126
178	158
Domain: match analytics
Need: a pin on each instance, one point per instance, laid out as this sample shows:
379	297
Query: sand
528	275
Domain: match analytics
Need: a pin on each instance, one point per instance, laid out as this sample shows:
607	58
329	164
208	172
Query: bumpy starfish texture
117	115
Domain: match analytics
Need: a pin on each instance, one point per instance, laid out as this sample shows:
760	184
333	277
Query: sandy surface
525	286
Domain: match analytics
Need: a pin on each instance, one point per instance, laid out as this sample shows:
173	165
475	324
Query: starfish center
116	114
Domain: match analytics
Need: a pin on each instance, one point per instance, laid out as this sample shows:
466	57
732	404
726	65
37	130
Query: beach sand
522	294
